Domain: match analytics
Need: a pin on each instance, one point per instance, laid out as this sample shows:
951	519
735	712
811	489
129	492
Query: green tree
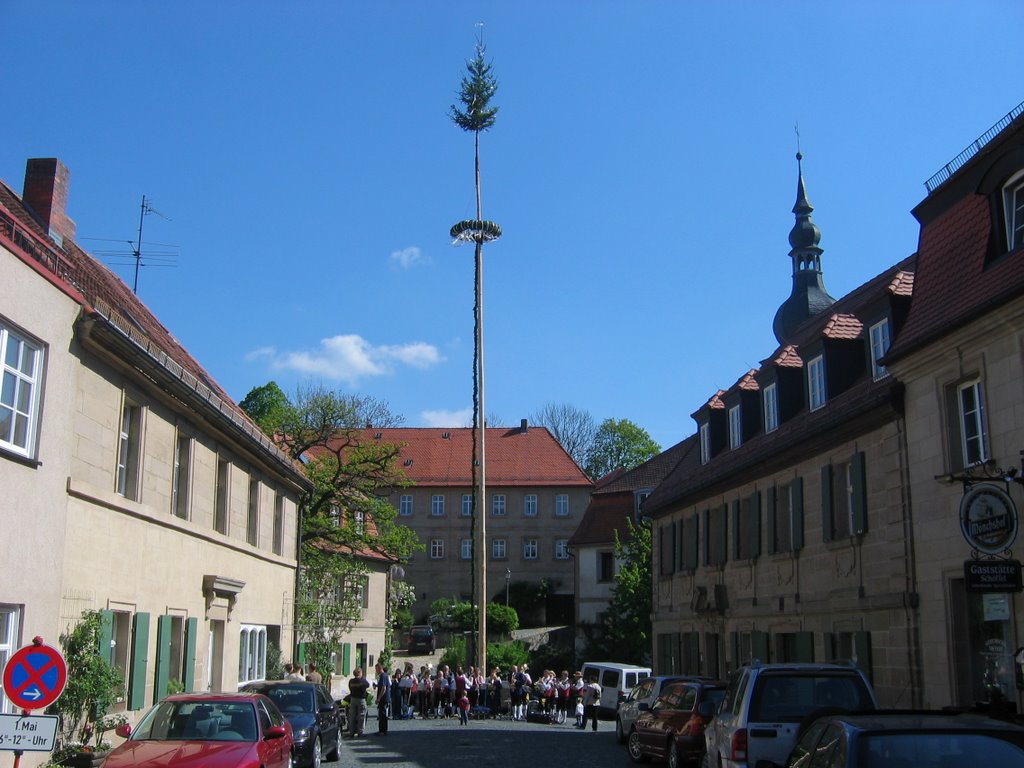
623	631
343	518
267	405
619	444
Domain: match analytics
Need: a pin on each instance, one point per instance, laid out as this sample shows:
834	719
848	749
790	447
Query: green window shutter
106	647
673	547
759	645
692	542
707	537
163	657
862	645
805	647
826	502
737	544
139	662
755	524
858	478
769	519
723	537
346	658
191	637
300	655
797	493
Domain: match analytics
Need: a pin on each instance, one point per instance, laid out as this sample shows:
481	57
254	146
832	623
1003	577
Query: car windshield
198	721
292	700
422	632
939	750
789	698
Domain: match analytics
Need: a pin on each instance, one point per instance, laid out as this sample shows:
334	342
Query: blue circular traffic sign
35	676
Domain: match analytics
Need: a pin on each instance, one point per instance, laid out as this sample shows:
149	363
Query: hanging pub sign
992	576
988	519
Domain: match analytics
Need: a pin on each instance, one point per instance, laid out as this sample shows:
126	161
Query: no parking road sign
35	676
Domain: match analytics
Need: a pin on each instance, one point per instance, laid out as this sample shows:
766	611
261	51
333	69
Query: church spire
808	296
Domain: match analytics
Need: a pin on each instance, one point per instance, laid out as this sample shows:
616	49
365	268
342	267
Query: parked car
314	716
765	705
904	739
616	681
421	639
215	730
672	729
643	695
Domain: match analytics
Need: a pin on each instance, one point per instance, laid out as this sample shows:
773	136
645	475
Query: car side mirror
124	730
276	732
707	710
328	708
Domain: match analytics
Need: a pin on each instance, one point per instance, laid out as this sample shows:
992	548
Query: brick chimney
46	195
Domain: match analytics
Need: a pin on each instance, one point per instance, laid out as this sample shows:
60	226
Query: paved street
440	743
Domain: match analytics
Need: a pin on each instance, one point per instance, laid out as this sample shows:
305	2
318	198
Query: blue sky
642	168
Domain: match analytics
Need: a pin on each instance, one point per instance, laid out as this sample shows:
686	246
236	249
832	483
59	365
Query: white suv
766	704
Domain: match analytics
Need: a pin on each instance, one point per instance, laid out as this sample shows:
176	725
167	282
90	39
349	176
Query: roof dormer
712	427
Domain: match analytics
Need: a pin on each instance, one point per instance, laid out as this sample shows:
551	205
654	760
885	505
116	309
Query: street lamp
508	578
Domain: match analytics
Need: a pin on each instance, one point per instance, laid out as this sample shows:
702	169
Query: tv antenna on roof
150	258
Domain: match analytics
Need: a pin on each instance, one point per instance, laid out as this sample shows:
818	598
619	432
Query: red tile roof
841	326
514	457
788	357
748	382
902	284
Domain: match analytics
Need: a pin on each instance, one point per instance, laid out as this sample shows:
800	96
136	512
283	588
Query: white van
616	681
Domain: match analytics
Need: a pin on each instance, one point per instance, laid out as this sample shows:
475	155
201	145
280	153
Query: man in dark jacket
383	699
357	688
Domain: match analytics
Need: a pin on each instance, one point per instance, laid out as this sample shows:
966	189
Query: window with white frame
735	427
639	497
466	549
529	549
705	442
499	549
252	520
973	436
879	334
770	397
437	505
562	505
437	549
21	366
816	383
252	653
129	444
405	505
530	505
1013	203
180	487
467	505
561	549
498	504
359	521
10	621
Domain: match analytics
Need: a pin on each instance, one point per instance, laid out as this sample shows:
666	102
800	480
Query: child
463	703
579	712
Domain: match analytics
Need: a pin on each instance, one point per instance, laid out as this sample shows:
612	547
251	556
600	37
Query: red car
672	729
207	730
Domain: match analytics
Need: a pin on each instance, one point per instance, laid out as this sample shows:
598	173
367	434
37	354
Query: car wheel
636	753
318	754
620	735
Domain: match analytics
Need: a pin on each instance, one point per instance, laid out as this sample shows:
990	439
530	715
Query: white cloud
441	418
262	352
407	258
349	357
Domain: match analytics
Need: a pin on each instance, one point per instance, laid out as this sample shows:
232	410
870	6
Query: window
180	490
562	505
879	346
689	544
705	443
128	445
735	428
605	567
530	505
782	519
747	527
973	438
437	505
467	505
716	530
771	407
842	491
816	383
843	498
252	653
359	521
220	502
405	505
498	549
278	545
638	500
1013	202
529	549
466	549
561	549
10	619
22	372
498	504
437	549
252	522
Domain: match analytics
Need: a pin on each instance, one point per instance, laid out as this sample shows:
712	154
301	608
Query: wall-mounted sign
992	576
988	518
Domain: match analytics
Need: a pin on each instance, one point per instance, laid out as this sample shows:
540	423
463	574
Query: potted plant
93	686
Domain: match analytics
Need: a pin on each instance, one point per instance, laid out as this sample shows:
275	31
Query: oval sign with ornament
988	519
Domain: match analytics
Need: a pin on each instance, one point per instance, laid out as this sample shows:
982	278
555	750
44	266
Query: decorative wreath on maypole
474	231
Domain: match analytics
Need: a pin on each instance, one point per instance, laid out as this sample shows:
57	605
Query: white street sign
29	733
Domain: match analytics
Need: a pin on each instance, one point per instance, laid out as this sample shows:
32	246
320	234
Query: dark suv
421	639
